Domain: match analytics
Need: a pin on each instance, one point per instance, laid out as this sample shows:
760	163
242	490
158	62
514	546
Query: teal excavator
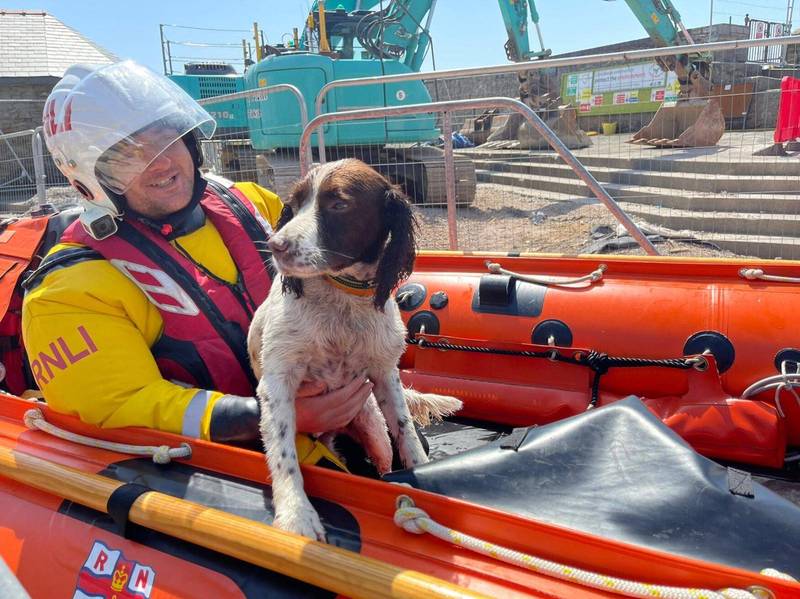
365	38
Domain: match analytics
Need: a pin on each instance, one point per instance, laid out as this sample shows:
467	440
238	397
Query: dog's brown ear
397	260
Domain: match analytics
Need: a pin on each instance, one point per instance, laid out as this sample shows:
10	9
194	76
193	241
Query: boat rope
412	519
592	277
599	362
757	274
788	381
162	454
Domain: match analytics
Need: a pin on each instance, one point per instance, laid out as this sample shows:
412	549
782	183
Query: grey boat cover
619	472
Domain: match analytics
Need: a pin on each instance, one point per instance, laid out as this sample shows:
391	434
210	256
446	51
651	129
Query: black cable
599	362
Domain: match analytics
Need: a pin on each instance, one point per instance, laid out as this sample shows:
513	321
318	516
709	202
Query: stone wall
18	116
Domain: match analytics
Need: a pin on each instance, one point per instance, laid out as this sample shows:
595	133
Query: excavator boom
695	119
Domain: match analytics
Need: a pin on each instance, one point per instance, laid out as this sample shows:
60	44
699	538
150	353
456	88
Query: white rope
787	381
34	419
412	519
592	277
752	274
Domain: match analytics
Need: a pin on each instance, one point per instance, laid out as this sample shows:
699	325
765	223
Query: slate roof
36	44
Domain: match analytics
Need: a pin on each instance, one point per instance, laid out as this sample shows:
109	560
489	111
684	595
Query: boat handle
757	274
592	277
163	454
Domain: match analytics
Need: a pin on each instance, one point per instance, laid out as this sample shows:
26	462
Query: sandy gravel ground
505	218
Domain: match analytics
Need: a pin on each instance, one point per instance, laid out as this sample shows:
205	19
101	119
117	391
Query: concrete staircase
750	207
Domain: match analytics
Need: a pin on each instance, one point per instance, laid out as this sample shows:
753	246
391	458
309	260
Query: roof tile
36	44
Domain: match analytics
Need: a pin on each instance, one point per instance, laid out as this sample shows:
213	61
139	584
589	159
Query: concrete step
726	223
758	246
680	199
743	165
701	182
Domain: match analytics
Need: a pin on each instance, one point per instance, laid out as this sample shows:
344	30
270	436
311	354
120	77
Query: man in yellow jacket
139	316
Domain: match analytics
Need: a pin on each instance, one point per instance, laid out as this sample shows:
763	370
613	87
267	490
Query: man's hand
319	412
236	419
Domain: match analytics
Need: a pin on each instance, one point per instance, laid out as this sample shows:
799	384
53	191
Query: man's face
166	185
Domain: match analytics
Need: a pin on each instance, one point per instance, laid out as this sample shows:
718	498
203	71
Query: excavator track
420	170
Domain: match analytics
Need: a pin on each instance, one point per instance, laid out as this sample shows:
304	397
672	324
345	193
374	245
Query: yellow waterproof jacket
90	329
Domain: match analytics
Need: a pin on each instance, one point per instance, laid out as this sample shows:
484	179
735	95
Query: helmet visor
120	165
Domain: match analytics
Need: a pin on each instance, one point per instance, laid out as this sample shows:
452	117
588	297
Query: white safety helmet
90	120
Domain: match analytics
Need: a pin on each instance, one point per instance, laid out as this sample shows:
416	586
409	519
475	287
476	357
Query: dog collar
353	286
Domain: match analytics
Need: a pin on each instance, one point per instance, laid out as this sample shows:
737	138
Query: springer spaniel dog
344	241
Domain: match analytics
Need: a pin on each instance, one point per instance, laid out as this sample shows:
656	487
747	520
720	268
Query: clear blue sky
465	32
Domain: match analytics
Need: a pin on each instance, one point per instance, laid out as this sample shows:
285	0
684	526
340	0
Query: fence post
450	179
38	165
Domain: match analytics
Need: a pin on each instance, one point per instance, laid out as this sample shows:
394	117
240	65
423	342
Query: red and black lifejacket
204	341
21	243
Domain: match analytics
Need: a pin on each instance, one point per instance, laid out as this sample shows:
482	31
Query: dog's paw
303	522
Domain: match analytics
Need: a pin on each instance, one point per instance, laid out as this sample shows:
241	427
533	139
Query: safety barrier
551	63
25	171
787	127
725	200
714	201
446	108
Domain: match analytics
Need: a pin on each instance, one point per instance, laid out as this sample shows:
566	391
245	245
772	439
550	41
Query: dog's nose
277	245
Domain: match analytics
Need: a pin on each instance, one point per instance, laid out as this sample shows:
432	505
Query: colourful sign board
639	87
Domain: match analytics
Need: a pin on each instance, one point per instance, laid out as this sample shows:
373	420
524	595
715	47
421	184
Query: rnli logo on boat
106	574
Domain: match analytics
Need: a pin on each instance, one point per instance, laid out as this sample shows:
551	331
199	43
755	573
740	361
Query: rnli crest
107	574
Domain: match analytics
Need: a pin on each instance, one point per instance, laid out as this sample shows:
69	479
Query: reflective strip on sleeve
193	416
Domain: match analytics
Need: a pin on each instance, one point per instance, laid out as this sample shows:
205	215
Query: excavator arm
399	31
696	118
515	18
662	22
537	89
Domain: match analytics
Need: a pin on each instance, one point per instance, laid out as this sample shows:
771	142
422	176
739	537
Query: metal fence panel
721	200
715	201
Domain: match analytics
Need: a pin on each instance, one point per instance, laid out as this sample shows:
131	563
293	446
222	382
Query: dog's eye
338	205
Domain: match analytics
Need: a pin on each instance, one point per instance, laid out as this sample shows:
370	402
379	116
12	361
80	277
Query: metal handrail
23	133
260	94
542	64
480	103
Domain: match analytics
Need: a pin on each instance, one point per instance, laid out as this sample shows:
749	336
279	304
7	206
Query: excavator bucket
511	130
564	125
683	124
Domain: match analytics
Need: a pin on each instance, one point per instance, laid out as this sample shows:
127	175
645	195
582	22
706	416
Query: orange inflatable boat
630	427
